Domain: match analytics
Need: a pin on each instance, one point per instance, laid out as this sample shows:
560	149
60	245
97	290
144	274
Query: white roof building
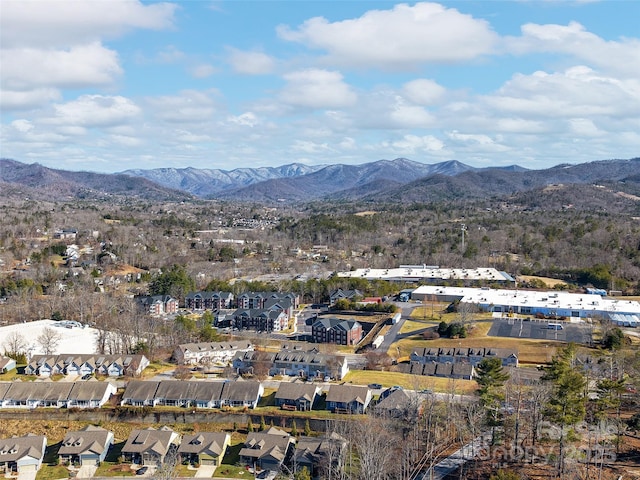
416	273
529	302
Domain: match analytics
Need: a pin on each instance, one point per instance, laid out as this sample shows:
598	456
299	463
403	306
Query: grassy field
413	382
529	351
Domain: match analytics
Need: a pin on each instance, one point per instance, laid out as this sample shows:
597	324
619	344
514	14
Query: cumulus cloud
413	144
576	92
23	100
202	70
77	67
423	91
621	57
188	107
248	119
60	23
250	62
316	88
403	37
94	111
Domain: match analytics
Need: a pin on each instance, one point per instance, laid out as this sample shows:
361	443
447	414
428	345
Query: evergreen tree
307	428
249	425
294	429
263	425
491	377
567	405
302	474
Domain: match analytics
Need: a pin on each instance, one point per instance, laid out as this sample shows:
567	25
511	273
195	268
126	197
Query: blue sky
108	85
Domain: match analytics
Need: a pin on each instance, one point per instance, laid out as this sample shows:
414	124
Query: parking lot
540	330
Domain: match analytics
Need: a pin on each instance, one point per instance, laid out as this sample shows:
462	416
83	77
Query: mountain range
399	180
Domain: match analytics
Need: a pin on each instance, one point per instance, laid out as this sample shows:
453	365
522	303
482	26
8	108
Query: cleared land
413	382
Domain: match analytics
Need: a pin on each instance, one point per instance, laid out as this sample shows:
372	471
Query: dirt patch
549	282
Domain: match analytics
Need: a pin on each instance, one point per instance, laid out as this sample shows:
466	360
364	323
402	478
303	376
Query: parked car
142	470
375	386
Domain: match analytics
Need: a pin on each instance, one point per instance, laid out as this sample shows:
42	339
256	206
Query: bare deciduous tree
49	340
15	343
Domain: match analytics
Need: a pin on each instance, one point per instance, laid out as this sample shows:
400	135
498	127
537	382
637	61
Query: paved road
391	335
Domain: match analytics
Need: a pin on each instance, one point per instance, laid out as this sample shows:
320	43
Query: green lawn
406	380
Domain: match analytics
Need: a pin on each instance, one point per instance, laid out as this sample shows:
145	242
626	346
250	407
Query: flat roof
551	299
414	273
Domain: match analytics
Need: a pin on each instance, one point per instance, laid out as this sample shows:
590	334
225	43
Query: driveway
86	471
27	475
205	471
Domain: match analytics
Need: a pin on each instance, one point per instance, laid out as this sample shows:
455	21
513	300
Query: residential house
472	356
314	453
348	399
157	304
242	394
340	294
336	330
6	364
140	393
295	363
90	394
150	446
208	394
87	364
208	300
297	396
204	448
398	403
267	450
308	364
209	352
87	446
50	394
22	454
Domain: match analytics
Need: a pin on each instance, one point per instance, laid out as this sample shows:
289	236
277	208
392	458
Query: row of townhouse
464	371
471	355
273	319
205	300
209	352
295	363
267	450
87	364
91	394
198	394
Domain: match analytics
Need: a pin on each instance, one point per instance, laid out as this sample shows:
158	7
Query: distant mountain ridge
205	182
400	180
37	181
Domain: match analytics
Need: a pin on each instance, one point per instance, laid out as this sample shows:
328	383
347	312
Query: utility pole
463	228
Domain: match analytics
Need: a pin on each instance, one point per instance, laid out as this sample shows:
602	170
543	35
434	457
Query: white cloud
202	70
621	57
423	91
305	146
77	67
576	92
413	144
94	111
404	37
61	23
23	100
315	88
251	62
248	119
190	106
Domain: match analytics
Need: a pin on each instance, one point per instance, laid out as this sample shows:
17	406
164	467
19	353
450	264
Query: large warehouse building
431	273
573	306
